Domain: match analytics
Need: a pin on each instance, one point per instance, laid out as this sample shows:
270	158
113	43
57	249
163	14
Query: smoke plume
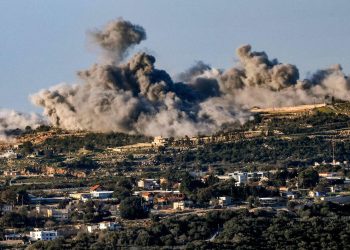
12	120
117	37
136	97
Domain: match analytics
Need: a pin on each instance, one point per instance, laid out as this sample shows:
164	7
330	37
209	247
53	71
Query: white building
148	184
92	228
160	141
107	225
111	226
242	178
43	235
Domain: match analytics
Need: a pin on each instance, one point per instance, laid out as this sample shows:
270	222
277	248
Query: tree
27	148
10	196
131	208
121	193
308	178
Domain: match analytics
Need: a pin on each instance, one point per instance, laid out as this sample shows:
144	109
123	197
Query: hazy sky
44	42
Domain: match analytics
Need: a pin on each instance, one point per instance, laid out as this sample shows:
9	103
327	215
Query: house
110	226
269	201
314	194
43	235
290	195
148	184
225	201
80	196
221	201
11	173
101	194
160	141
179	205
92	228
241	178
58	214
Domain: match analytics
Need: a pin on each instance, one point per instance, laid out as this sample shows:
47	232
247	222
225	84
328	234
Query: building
242	178
43	235
290	195
107	225
12	173
314	194
160	141
225	201
179	205
47	200
80	196
269	201
58	214
148	184
92	228
101	194
110	226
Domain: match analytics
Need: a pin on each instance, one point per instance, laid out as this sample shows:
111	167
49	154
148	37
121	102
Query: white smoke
11	120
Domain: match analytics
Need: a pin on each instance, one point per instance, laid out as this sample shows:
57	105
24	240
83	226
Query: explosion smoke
11	120
117	37
135	97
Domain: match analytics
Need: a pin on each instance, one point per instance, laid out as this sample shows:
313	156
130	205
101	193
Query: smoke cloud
117	38
136	97
12	120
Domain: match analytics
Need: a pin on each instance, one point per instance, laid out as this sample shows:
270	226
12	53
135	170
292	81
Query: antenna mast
333	149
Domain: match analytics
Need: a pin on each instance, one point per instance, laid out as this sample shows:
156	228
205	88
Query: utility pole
333	152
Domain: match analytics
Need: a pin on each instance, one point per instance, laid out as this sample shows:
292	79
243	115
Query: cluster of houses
162	199
49	208
154	195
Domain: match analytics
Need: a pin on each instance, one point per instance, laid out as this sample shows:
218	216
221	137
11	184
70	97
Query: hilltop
315	125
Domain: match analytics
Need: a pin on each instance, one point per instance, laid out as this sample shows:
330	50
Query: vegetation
131	208
321	226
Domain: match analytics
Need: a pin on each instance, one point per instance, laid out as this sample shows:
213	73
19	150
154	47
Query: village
66	212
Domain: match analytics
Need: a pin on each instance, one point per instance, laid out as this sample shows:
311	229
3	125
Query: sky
44	43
